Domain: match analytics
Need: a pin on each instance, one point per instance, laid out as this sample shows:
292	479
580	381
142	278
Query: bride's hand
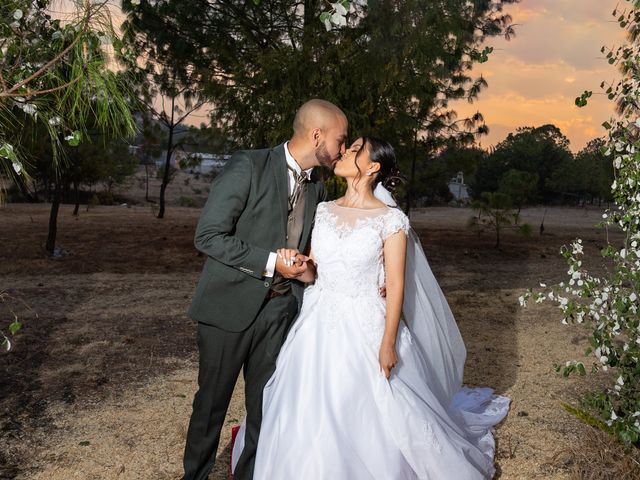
291	257
388	359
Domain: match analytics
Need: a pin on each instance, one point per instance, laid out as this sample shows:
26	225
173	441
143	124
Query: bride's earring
368	174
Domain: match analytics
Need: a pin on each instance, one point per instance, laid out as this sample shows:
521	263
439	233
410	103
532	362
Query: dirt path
100	385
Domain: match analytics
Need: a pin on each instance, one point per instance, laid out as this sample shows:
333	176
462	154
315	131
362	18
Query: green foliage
495	212
190	161
609	303
537	151
187	202
588	175
57	75
7	305
394	67
520	186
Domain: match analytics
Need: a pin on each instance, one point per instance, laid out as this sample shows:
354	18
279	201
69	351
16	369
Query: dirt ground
99	384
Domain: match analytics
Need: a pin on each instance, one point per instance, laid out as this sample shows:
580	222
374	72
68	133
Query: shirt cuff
269	270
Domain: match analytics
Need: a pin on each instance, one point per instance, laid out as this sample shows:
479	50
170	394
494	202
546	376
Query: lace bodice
347	244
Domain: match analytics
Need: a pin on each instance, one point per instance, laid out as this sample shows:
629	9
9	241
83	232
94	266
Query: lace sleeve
394	222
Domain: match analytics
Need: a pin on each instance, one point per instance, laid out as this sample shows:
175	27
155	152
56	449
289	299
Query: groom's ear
315	136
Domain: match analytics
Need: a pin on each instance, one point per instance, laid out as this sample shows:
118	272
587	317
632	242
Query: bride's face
355	162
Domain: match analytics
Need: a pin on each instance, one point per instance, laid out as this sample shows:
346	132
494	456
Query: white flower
633	297
17	167
339	8
613	415
338	19
604	359
543	285
135	2
29	108
17	15
55	120
522	301
620	380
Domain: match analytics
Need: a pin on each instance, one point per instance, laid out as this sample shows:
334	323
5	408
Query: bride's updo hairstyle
383	153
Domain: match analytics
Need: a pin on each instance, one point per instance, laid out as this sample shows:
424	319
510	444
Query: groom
247	297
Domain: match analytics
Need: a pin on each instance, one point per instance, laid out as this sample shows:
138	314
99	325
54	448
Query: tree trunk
165	177
76	191
409	199
53	220
146	192
24	190
167	162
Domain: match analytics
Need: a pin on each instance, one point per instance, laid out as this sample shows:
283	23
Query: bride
368	387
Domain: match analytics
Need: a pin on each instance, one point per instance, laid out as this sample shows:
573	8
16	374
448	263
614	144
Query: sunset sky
535	78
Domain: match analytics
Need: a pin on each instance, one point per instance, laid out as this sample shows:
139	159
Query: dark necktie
299	179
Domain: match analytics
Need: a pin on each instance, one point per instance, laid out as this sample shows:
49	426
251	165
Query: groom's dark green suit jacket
244	219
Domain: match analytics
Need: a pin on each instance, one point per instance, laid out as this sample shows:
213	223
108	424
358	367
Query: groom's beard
323	157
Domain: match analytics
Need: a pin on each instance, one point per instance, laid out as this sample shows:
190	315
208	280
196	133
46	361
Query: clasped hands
291	264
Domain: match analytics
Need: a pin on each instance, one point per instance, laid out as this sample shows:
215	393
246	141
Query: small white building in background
211	162
458	188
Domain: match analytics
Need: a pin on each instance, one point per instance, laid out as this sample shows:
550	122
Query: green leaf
7	151
74	138
14	327
84	443
324	16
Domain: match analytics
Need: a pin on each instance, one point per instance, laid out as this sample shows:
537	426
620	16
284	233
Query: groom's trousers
222	355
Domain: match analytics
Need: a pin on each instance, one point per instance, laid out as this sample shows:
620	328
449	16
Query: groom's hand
290	263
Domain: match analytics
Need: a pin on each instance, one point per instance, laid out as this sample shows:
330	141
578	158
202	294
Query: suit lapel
279	168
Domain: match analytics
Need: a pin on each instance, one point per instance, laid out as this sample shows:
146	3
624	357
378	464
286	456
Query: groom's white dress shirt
270	268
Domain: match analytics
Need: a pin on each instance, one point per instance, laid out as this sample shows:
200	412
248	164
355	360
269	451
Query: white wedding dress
329	412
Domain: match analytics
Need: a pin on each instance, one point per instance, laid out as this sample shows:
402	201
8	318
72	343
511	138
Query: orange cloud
535	78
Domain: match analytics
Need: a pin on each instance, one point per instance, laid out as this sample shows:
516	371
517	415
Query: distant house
458	188
210	162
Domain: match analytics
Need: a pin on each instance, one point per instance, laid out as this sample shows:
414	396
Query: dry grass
111	359
597	455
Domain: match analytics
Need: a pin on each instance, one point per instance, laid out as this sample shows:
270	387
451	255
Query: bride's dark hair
381	151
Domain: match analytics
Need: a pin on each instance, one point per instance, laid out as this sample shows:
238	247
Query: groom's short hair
315	113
